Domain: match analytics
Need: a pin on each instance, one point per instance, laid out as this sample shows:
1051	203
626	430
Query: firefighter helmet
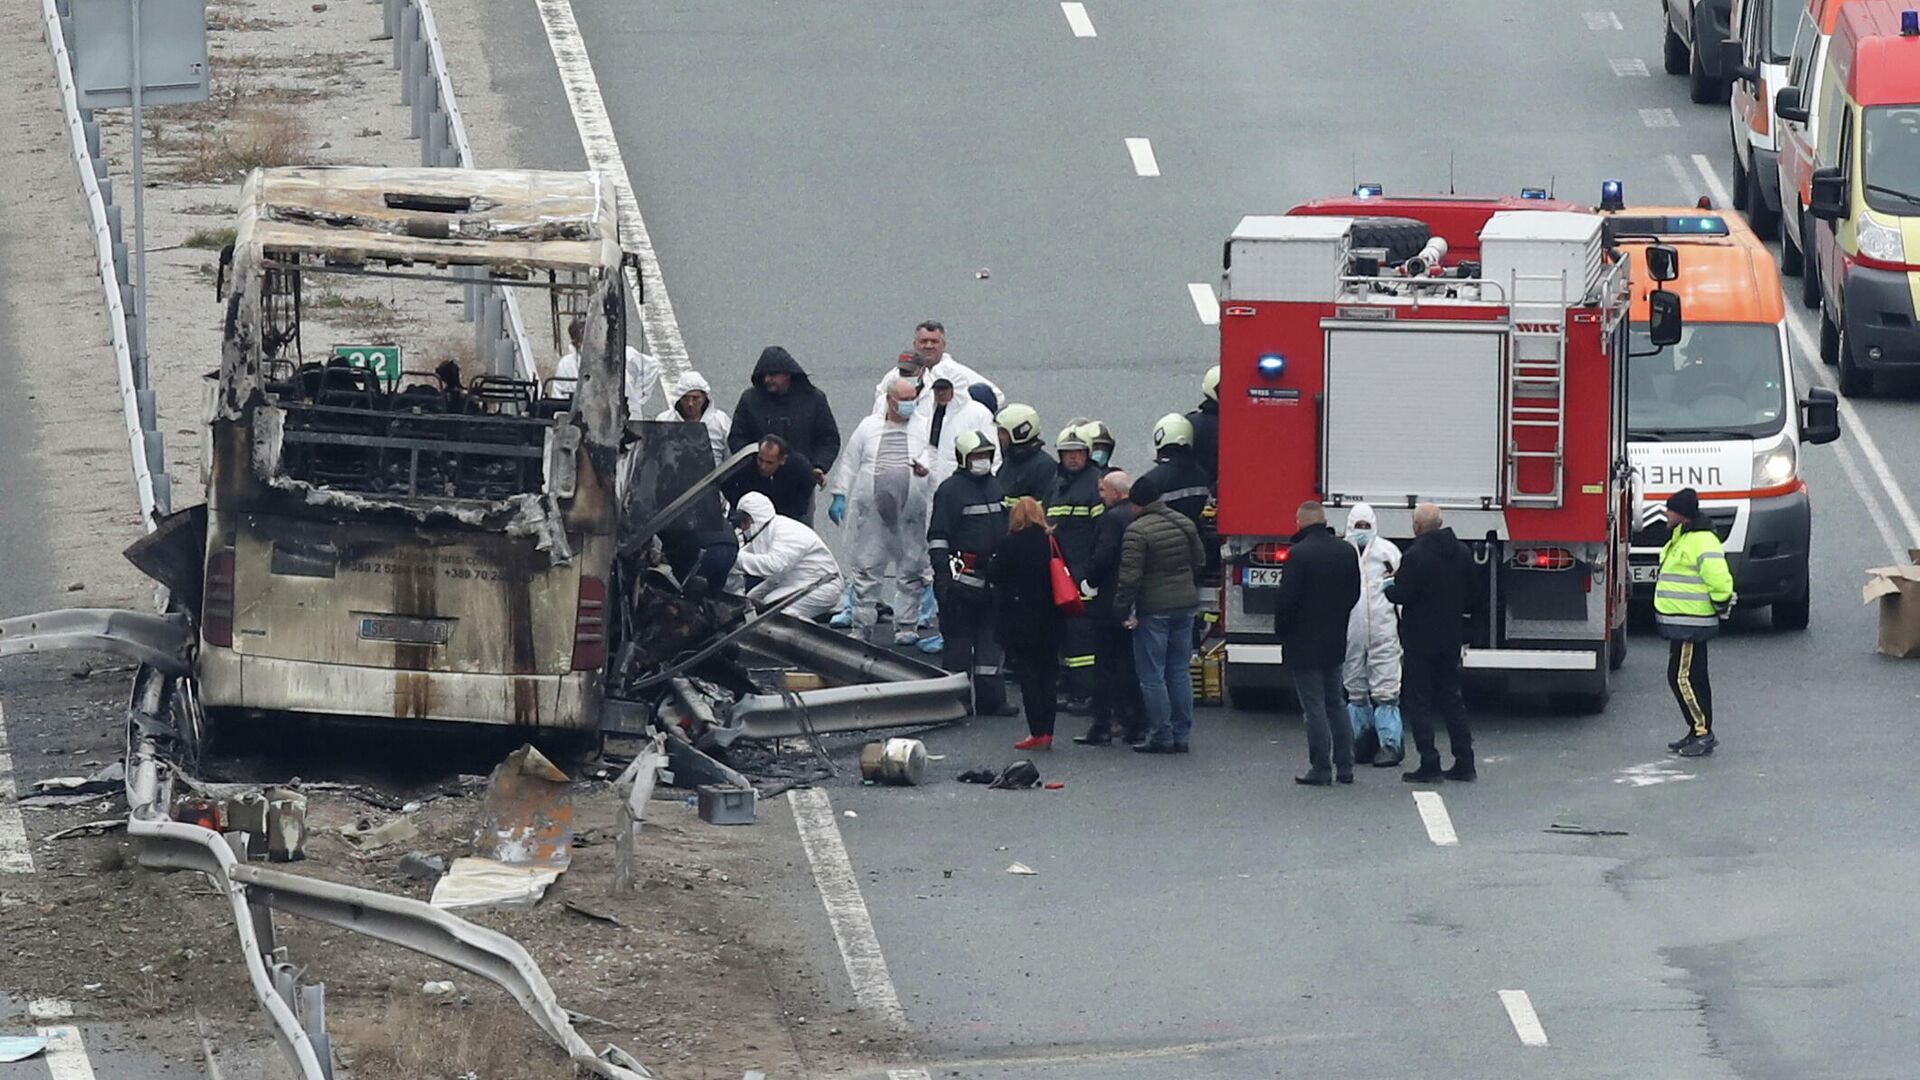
1097	434
1020	422
971	444
1172	430
1072	437
1210	384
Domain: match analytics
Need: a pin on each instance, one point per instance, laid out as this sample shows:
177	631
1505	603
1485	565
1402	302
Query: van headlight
1773	466
1881	242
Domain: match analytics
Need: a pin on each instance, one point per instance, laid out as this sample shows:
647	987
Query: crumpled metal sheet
163	642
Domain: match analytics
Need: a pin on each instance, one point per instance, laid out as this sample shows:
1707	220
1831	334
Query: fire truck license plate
1644	575
1261	577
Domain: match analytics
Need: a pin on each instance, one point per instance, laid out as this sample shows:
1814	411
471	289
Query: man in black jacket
1116	692
783	401
1317	593
1431	591
968	520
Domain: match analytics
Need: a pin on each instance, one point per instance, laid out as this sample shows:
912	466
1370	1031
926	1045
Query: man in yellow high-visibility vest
1692	595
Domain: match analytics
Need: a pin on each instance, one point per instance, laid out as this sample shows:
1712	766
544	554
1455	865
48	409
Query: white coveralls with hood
1373	639
960	375
884	473
786	556
717	421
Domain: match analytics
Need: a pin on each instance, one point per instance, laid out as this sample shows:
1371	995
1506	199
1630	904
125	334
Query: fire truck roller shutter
1413	414
1401	237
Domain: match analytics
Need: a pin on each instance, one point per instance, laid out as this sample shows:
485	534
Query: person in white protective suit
690	400
882	493
1372	672
940	420
643	371
928	363
786	557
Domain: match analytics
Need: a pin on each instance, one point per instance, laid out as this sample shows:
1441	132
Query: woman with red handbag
1028	615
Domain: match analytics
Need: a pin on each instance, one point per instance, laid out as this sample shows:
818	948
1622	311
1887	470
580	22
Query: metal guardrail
145	443
426	85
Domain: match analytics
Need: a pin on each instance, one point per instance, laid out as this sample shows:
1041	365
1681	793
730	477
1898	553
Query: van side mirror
1663	318
1819	416
1733	61
1663	262
1787	105
1827	194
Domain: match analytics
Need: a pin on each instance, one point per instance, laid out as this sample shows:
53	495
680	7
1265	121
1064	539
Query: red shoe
1035	742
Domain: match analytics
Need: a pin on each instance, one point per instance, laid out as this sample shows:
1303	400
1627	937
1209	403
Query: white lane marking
1078	19
15	857
66	1055
1800	329
1629	68
1653	772
1143	161
1659	118
846	908
1601	20
910	1074
1205	304
1433	813
603	154
1526	1022
49	1009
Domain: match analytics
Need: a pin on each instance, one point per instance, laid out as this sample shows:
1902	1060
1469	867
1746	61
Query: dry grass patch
256	138
418	1038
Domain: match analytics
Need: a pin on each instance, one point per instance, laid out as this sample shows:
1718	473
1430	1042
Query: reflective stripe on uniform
1677	594
986	669
1184	493
936	545
1079	661
1682	579
1077	511
1688	699
985	508
969	581
1687	620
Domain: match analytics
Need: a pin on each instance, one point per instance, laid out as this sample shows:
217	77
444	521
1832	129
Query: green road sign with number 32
382	360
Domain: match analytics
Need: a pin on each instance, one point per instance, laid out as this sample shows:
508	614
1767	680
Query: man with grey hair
927	364
1317	593
1116	693
1431	590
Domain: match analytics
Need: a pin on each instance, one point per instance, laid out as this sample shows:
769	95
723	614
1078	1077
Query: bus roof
1886	66
513	220
1727	278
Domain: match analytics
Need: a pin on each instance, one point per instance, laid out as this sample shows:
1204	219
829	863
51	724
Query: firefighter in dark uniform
968	520
1182	482
1025	467
1206	427
1073	512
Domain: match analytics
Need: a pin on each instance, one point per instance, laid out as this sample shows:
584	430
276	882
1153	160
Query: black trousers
1038	675
1430	696
1687	675
1116	692
966	624
1079	656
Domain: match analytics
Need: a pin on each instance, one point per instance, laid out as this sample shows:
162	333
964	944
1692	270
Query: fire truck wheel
1617	649
1401	237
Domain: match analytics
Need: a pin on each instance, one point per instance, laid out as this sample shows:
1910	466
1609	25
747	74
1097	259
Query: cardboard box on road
1898	590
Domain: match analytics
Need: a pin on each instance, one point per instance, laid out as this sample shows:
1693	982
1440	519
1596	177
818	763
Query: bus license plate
1261	577
1644	575
407	631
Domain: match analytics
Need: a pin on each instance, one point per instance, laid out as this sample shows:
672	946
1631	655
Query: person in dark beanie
783	401
1317	594
1160	562
1693	593
1431	592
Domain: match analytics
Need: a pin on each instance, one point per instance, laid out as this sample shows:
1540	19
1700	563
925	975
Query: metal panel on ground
1413	414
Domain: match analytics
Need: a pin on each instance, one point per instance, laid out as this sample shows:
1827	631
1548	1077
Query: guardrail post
162	492
423	96
436	142
503	357
92	130
406	42
403	35
490	319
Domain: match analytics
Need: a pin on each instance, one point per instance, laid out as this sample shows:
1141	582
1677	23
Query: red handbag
1066	591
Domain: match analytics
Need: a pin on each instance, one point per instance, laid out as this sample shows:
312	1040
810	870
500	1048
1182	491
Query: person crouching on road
1693	593
882	494
1160	562
779	557
1028	622
1317	594
968	522
1431	590
1116	693
1373	647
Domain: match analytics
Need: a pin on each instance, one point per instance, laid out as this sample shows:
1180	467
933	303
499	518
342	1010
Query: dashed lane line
15	856
1433	814
1659	118
1078	19
846	908
1205	304
1629	68
1141	151
1526	1022
1601	20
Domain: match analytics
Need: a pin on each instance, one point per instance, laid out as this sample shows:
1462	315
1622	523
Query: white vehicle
1691	45
1756	60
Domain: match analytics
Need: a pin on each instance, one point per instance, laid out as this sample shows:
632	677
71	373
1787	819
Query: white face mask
1361	537
980	466
1099	456
905	408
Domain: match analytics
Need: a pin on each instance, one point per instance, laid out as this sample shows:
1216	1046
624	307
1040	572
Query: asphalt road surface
824	175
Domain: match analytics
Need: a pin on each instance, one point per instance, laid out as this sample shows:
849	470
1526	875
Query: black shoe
1311	780
1077	708
1095	736
1151	747
1681	743
1345	778
1180	748
1008	709
1425	774
1700	747
1463	773
1388	759
1133	738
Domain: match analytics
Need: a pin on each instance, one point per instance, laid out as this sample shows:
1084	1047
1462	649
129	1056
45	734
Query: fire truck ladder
1537	382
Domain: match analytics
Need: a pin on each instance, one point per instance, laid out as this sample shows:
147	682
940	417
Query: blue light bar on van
1613	194
1696	225
1369	191
1910	23
1533	193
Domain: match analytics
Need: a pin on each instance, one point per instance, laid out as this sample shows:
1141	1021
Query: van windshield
1723	380
1890	151
1783	20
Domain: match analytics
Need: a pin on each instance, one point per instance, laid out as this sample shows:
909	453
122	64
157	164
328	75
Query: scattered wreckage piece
635	785
163	642
897	762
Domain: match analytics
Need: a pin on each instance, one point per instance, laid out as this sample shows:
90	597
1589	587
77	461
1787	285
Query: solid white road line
1629	68
1659	118
1143	161
1800	328
1205	304
909	1074
1078	19
1433	813
66	1055
603	155
15	857
1601	20
846	908
1526	1023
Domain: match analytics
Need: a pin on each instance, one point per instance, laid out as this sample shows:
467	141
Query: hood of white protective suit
758	508
1361	512
687	383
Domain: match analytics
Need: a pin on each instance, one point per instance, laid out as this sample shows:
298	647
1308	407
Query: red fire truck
1465	352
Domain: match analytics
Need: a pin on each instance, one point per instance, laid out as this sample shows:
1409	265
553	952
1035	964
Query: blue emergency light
1533	193
1272	366
1369	191
1613	195
1910	23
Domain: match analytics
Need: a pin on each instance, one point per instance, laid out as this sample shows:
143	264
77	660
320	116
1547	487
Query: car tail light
1762	113
1545	558
590	626
216	609
1270	554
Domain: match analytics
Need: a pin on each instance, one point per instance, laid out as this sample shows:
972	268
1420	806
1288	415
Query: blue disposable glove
838	511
